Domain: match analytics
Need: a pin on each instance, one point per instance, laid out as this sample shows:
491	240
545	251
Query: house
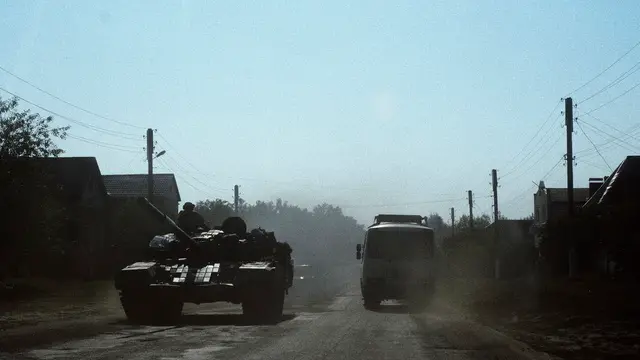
615	207
553	203
128	187
132	226
59	206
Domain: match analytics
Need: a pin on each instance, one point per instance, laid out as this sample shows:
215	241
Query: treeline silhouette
321	236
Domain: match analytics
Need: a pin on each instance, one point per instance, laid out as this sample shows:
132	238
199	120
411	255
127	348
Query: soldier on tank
189	220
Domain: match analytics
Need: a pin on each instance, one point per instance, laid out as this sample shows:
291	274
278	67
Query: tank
224	264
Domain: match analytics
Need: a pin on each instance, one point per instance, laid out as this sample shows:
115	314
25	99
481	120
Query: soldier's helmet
188	206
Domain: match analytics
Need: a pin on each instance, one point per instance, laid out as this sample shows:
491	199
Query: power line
594	165
611	141
270	182
605	70
69	103
532	152
613	127
615	82
160	160
104	144
534	136
522	194
183	157
594	145
193	177
519	196
606	133
614	99
553	168
77	122
408	203
542	145
541	157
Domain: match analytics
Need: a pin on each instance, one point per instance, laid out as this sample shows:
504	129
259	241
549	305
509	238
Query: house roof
621	187
135	185
72	173
562	194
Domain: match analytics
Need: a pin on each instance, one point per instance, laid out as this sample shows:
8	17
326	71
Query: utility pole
150	164
470	194
494	183
496	214
236	198
453	222
568	118
568	121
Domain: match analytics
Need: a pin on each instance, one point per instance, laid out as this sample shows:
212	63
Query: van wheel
371	304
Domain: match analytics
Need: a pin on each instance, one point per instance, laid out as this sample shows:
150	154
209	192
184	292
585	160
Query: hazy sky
401	104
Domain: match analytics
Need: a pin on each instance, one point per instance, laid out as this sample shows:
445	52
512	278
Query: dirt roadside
54	310
568	319
65	310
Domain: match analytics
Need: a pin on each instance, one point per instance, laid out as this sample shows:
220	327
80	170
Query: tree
322	235
26	134
214	211
530	217
435	221
479	222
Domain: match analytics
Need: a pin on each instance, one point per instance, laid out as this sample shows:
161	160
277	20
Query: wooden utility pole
496	214
453	222
150	165
494	184
470	194
568	118
568	121
236	198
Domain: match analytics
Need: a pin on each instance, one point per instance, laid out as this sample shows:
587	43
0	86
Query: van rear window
399	244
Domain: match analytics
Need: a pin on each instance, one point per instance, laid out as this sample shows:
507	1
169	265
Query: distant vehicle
304	271
397	261
228	264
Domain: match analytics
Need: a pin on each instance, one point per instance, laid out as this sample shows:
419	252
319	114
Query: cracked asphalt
314	327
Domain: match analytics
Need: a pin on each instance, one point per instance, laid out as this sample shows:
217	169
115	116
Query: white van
397	260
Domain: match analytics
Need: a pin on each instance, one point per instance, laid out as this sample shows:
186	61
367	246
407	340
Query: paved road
312	329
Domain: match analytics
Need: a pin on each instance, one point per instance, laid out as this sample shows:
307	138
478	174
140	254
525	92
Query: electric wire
69	103
594	145
613	83
605	70
533	138
77	122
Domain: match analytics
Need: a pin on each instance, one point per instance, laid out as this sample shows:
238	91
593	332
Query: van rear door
399	253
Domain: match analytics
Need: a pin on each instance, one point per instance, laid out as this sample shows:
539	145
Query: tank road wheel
135	308
141	308
264	306
168	310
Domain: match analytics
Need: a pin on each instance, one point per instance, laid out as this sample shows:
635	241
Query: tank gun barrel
162	217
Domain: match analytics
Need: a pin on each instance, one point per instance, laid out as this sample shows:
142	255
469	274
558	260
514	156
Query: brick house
64	200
